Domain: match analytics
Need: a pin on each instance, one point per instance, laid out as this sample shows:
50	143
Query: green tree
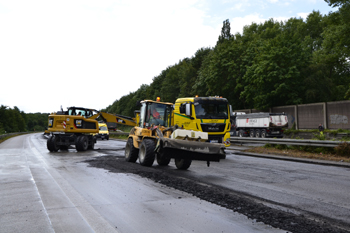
274	77
225	32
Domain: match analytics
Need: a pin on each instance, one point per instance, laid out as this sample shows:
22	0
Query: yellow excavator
77	126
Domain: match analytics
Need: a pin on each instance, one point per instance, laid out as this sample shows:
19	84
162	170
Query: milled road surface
295	197
61	192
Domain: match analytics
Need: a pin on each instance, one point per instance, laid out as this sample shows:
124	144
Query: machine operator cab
155	113
84	112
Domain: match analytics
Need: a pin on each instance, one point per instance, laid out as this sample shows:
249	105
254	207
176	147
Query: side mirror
188	111
231	112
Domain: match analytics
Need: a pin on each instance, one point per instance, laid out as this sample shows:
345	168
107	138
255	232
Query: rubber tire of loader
82	143
162	160
183	164
146	152
131	152
52	143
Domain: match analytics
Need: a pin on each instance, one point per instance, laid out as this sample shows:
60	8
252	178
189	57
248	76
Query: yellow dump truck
206	114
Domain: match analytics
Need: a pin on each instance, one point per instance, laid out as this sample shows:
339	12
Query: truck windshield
158	114
211	110
103	128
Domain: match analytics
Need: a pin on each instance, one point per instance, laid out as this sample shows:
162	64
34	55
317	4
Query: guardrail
12	134
119	133
296	142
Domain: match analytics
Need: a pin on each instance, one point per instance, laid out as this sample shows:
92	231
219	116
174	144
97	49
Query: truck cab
206	114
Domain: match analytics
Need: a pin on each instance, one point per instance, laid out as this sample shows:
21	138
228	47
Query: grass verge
328	154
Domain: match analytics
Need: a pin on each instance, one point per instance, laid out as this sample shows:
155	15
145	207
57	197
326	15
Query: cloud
89	54
238	23
303	15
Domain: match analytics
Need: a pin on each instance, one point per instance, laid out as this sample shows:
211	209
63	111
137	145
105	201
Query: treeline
269	64
14	120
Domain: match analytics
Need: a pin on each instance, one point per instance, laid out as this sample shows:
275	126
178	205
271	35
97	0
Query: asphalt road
59	192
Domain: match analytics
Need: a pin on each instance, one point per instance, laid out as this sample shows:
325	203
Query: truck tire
252	134
257	133
263	134
91	142
82	143
91	146
52	143
131	152
146	152
183	164
240	134
162	160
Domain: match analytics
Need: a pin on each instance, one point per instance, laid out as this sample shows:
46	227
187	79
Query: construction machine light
196	96
50	122
158	99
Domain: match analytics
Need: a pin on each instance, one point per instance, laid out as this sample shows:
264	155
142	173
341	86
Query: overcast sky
89	53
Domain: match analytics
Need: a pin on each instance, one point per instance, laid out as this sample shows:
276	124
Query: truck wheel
183	164
52	143
91	146
252	133
263	134
257	133
131	152
146	152
240	134
162	160
82	143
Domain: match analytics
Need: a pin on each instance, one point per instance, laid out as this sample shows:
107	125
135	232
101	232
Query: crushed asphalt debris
241	203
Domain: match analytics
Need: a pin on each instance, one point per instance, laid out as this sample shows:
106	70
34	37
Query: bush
343	149
281	146
319	136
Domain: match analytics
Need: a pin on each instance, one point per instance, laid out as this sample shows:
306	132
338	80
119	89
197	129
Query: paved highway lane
57	192
302	187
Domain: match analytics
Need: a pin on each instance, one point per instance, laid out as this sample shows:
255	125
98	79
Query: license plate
214	141
275	132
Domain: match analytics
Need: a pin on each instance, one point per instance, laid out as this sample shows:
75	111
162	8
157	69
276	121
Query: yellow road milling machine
155	137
